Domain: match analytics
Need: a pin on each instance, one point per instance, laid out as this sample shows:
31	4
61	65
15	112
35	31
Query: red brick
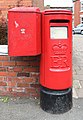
3	89
31	58
33	63
1	78
13	74
3	84
4	58
16	58
22	85
25	69
3	73
77	13
18	89
31	69
9	78
5	93
11	83
28	79
1	63
3	69
8	63
34	75
17	69
30	90
18	79
5	78
35	85
22	63
9	89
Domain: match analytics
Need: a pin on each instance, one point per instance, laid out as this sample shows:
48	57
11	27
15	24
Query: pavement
78	66
29	109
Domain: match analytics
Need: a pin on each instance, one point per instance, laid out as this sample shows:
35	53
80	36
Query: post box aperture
58	29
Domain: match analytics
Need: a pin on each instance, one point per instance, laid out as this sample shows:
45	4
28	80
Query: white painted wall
3	49
58	3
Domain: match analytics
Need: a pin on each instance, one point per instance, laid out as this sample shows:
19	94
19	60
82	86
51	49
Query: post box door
24	28
58	51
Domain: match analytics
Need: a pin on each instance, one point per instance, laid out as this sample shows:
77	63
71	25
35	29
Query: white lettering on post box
16	24
23	30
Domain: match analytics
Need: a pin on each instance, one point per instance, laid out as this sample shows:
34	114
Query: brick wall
7	4
19	76
38	3
77	13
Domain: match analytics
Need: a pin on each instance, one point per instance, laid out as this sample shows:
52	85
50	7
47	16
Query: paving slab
29	109
78	65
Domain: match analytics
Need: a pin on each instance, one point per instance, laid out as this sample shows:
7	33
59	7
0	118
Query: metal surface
24	31
25	9
57	11
55	102
56	58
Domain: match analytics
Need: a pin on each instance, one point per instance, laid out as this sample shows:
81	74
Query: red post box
56	61
24	31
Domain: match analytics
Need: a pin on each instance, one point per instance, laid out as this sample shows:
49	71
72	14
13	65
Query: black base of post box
55	102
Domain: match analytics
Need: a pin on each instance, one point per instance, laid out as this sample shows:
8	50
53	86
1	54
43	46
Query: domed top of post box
57	11
25	9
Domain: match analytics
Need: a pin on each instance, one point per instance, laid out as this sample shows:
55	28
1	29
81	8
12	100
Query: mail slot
24	31
56	61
